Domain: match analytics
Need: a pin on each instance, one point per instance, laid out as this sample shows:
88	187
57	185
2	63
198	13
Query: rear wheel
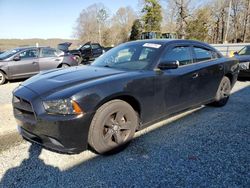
78	59
223	92
2	78
112	127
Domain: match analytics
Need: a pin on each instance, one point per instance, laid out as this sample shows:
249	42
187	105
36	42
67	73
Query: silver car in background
25	62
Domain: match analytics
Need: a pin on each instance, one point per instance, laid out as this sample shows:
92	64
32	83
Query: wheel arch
1	70
60	65
131	100
229	76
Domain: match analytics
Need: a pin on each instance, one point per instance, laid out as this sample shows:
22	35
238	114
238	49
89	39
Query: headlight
62	106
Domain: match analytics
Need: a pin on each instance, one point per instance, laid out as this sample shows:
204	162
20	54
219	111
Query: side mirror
17	58
236	53
169	65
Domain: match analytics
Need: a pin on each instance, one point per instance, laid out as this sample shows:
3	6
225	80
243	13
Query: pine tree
152	15
136	30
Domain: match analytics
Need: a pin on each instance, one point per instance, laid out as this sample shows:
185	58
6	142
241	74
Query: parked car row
244	59
25	62
86	52
133	85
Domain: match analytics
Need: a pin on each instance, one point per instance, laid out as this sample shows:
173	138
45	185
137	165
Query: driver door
24	64
86	51
177	86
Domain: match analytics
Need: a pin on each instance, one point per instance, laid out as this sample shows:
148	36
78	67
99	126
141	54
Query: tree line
212	21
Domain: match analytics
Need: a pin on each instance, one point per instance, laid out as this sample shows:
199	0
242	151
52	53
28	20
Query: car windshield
129	56
9	53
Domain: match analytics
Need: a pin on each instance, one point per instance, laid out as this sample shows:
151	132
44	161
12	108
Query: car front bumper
69	136
62	133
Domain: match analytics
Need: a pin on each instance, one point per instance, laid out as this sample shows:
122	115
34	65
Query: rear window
50	52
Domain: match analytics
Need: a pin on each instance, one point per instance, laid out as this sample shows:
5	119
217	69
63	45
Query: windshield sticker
151	45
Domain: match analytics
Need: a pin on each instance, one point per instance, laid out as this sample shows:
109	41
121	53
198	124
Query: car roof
168	41
29	47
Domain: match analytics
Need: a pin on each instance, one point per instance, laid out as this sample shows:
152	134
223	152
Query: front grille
23	110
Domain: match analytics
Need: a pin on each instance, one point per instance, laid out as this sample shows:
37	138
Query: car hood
64	46
59	79
243	58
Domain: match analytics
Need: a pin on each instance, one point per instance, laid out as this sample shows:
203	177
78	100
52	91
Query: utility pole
228	20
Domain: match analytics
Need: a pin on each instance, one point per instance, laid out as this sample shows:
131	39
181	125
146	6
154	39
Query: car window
95	46
245	51
48	52
202	54
129	56
146	53
180	53
9	53
32	53
85	47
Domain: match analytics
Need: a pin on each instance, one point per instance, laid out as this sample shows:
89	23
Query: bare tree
88	24
182	14
122	23
246	19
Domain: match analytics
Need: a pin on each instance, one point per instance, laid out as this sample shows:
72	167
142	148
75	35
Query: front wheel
2	78
112	127
223	92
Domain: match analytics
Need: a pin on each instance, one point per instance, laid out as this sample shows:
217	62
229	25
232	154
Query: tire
112	127
2	78
78	59
223	93
64	65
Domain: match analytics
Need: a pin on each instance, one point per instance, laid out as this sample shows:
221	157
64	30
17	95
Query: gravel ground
6	115
207	147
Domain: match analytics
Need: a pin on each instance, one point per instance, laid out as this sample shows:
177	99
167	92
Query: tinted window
48	52
85	47
181	54
28	54
9	53
129	56
202	54
245	51
95	46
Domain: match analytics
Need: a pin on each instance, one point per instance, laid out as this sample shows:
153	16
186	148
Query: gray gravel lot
209	147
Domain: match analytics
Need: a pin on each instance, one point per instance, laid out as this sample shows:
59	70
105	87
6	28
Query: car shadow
17	80
208	148
32	171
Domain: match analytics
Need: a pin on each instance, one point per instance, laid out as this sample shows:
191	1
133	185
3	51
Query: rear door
96	50
210	70
49	59
178	85
27	65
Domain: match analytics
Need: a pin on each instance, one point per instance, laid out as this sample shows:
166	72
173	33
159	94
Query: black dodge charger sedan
128	88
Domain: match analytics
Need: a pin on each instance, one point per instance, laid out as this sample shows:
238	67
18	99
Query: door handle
57	59
195	75
34	62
